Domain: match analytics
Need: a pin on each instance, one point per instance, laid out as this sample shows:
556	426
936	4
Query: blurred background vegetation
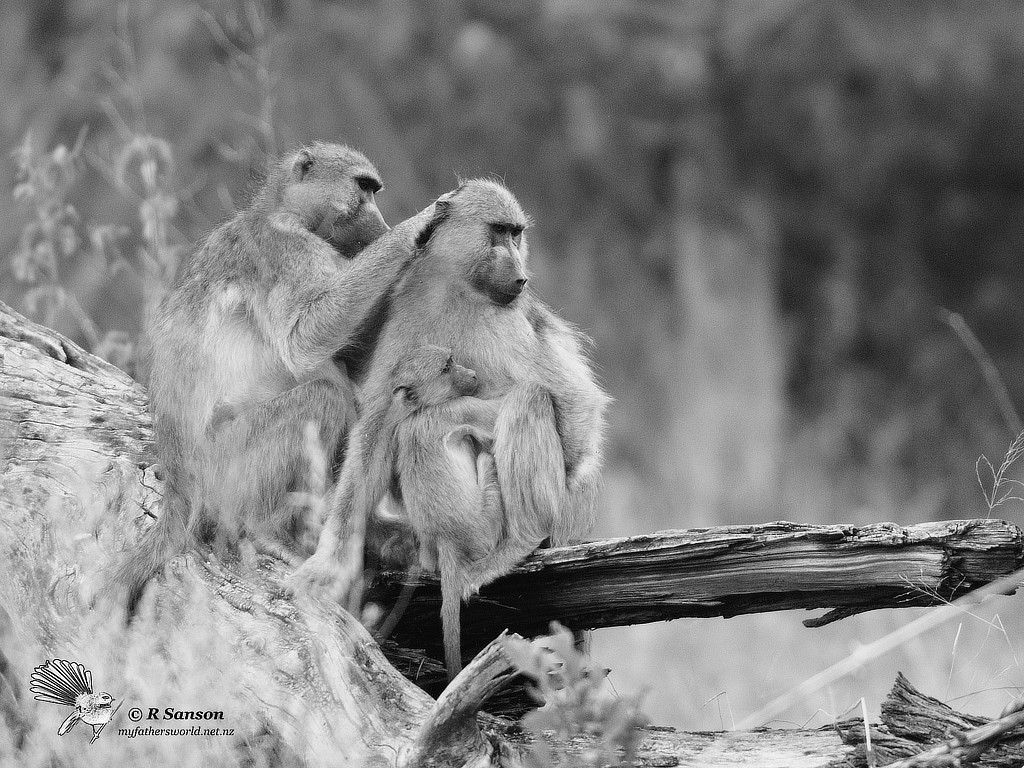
761	211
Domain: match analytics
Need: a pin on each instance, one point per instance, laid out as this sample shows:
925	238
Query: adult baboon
242	353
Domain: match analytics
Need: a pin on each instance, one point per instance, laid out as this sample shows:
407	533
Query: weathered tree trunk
79	484
723	571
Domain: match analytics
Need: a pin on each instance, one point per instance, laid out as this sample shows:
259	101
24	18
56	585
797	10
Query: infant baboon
428	446
242	347
448	481
467	293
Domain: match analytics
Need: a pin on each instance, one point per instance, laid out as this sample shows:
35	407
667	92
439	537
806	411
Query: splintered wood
723	571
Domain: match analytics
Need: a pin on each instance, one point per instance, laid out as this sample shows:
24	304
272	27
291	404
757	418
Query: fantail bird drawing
70	683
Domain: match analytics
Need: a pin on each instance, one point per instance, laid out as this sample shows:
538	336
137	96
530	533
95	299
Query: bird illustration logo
70	684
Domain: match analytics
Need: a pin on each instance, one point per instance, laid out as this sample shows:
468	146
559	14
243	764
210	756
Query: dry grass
712	673
171	659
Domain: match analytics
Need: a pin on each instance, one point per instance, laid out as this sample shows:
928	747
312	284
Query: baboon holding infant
467	293
431	446
242	354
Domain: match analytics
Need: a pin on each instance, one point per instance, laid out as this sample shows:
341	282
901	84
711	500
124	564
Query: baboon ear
303	162
442	210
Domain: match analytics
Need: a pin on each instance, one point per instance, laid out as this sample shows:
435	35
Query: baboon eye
447	365
514	231
369	184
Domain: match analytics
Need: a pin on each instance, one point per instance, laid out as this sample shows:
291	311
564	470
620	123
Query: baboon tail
452	594
168	537
530	463
460	579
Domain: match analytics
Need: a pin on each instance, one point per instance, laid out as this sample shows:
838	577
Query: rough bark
918	730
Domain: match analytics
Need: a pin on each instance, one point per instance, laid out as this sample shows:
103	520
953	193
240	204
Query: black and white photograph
527	384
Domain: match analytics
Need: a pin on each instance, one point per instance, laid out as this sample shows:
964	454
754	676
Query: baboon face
498	272
337	186
431	377
479	230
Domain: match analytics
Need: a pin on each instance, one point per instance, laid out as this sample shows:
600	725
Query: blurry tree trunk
728	399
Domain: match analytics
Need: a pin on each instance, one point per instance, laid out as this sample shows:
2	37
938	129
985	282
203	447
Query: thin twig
988	368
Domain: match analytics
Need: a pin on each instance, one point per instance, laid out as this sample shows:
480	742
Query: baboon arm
324	316
579	407
484	439
377	473
579	401
473	411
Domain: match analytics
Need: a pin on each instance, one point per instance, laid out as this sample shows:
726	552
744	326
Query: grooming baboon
242	347
467	293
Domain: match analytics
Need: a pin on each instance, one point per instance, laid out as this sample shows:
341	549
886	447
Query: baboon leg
490	489
579	503
529	460
266	452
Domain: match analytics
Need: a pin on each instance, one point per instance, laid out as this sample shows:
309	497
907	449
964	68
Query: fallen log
723	571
